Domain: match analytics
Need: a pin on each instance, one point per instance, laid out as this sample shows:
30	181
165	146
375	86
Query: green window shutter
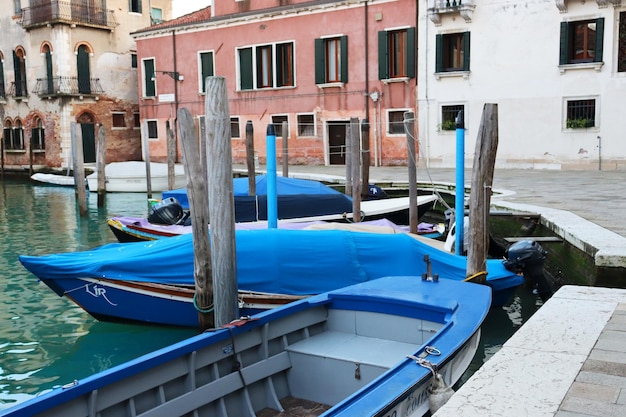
148	73
2	89
245	69
206	62
466	51
383	56
439	53
564	44
599	39
320	62
410	53
343	45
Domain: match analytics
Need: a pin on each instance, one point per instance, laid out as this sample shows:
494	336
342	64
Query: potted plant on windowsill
448	125
579	123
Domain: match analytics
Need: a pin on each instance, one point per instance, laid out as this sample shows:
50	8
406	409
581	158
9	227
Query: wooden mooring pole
76	136
146	156
197	193
480	196
355	164
250	158
101	161
409	129
171	156
222	206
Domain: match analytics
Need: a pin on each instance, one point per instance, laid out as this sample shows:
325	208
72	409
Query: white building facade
555	68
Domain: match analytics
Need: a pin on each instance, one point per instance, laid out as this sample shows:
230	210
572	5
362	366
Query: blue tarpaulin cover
271	260
296	198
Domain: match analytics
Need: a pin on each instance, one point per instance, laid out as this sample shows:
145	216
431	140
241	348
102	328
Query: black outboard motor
169	211
527	257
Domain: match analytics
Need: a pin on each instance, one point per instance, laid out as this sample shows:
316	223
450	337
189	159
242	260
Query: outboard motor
169	211
527	257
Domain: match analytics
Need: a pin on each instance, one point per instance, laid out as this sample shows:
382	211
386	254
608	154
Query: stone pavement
568	360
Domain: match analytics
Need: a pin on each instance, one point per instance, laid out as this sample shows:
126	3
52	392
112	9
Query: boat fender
439	392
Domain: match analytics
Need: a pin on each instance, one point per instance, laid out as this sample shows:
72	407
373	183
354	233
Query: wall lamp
174	74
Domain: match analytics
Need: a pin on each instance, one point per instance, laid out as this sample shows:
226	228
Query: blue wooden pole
272	198
459	202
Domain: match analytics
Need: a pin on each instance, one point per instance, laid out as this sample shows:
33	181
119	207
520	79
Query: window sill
330	85
587	65
396	80
152	98
15	150
452	74
40	151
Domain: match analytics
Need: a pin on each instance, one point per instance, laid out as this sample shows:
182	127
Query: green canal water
47	341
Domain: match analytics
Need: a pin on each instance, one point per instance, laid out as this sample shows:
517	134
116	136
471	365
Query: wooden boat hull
128	229
151	303
349	351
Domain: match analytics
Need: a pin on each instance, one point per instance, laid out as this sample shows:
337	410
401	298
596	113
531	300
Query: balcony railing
18	90
67	86
70	13
464	8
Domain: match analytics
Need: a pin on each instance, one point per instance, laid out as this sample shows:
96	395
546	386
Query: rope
201	310
476	275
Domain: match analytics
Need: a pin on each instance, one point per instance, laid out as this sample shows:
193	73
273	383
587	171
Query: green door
89	142
82	64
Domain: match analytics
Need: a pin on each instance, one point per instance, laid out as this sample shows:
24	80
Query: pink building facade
312	64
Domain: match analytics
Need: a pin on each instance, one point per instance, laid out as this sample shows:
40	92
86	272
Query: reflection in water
47	341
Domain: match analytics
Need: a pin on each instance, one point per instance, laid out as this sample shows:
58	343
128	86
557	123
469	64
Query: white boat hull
130	177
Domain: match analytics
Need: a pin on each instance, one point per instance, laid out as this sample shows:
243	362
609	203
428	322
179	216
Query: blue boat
373	349
296	198
153	281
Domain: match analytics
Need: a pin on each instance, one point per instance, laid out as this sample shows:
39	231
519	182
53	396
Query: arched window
2	88
47	53
82	65
8	134
37	140
19	67
18	135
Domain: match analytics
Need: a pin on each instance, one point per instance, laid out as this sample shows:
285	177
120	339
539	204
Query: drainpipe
175	95
599	153
367	60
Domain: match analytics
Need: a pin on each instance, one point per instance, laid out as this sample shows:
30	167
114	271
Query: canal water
47	341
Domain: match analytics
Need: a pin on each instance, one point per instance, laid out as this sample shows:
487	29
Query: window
135	6
8	135
452	52
136	121
133	60
396	122
449	115
581	41
581	114
17	7
266	66
156	15
331	60
306	125
3	92
118	120
234	127
396	54
37	142
153	132
621	46
13	136
205	61
149	80
19	67
277	121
